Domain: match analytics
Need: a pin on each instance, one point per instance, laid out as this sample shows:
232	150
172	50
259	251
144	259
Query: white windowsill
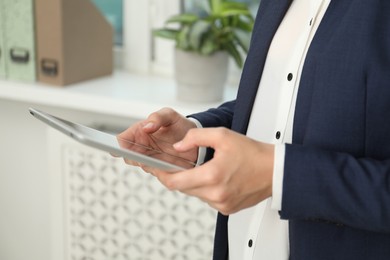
121	94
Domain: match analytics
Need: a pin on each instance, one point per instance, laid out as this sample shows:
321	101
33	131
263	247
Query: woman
300	161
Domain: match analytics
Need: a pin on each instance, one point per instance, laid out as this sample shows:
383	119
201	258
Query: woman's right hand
159	131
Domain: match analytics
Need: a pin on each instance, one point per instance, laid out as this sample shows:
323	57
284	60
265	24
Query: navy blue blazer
336	190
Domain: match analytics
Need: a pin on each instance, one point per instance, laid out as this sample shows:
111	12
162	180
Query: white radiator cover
103	209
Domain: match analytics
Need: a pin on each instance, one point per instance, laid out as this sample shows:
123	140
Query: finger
205	137
115	155
130	132
192	179
211	193
131	162
150	170
161	118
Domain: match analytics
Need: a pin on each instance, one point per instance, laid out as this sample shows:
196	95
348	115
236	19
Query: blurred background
101	66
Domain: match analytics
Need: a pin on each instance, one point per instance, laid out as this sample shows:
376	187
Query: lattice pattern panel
117	212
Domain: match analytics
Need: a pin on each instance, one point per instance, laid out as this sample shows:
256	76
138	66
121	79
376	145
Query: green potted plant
204	42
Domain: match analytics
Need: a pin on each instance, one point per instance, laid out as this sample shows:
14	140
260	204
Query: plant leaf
208	47
182	38
233	51
226	13
244	25
185	18
166	33
243	39
215	6
233	6
196	35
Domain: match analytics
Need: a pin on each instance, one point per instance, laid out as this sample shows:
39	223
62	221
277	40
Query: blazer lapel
270	15
334	14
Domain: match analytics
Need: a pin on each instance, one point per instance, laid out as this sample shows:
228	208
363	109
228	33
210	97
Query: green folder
3	71
18	17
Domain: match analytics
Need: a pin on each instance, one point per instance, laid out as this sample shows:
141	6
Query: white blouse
258	232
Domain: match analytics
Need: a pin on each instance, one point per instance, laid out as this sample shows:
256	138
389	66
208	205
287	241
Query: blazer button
278	134
289	76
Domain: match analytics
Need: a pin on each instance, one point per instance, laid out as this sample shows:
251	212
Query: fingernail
149	125
178	144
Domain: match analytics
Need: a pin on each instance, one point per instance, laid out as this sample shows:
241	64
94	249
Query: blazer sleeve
215	117
337	187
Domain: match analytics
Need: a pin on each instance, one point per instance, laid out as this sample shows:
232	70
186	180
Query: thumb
201	137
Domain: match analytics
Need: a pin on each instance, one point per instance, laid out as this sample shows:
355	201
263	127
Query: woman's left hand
239	175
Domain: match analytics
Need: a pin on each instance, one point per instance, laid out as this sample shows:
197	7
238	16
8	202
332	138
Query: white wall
24	218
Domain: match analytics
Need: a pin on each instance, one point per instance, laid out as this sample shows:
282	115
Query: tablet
150	156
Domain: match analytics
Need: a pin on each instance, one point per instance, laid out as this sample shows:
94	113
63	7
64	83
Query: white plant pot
200	78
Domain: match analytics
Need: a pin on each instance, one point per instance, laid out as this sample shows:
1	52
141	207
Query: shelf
121	94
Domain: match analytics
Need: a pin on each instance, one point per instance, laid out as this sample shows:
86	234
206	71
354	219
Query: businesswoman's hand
239	176
159	131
